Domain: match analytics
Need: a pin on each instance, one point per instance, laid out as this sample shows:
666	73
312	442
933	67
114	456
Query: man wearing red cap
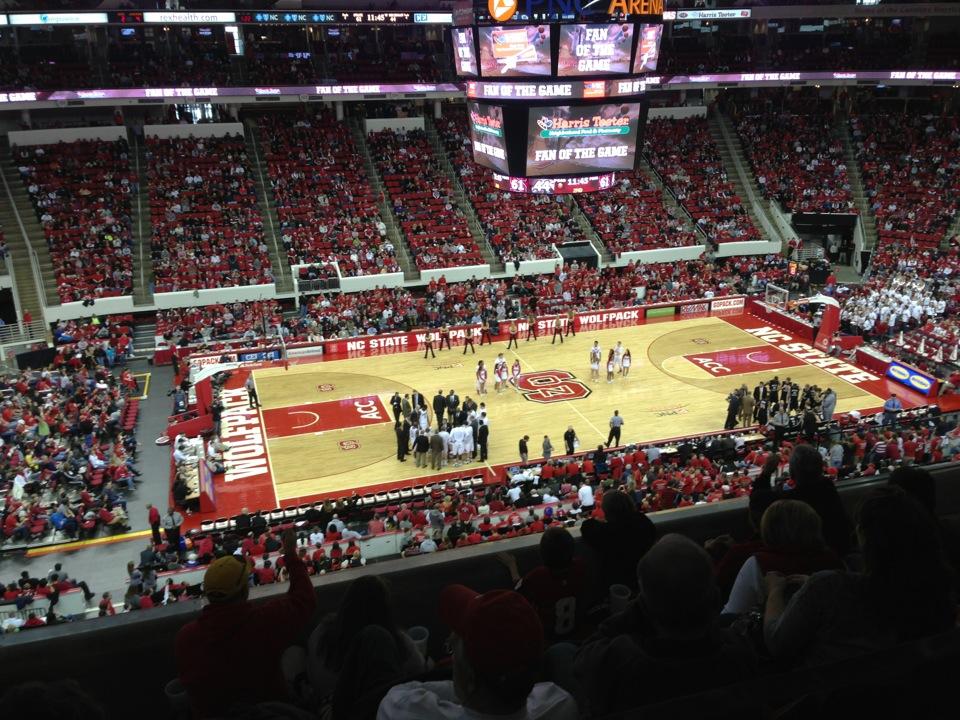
491	678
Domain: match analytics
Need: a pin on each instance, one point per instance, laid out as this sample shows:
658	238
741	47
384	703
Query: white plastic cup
420	636
619	597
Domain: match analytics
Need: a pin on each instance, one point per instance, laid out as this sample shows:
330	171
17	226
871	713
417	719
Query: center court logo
502	10
550	386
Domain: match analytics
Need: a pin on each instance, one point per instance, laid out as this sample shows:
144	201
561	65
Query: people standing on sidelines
252	399
453	405
524	448
746	408
428	346
439	406
531	326
500	374
571	328
396	403
512	335
547	447
611	364
616	424
625	362
618	356
515	372
481	378
733	410
570	440
483	436
596	355
828	405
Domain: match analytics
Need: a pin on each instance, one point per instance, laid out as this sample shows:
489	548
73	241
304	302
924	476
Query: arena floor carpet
327	428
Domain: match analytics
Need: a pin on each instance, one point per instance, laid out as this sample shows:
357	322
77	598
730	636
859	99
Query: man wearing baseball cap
232	638
497	645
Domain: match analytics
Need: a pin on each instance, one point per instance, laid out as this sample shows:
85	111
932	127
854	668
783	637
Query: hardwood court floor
330	429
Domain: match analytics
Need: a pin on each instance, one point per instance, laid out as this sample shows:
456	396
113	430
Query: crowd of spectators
174	59
81	193
325	204
518	226
69	448
423	200
207	230
795	154
28	594
686	158
909	164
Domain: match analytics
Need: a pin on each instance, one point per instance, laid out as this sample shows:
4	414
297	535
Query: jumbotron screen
487	136
648	49
465	55
600	49
515	51
565	140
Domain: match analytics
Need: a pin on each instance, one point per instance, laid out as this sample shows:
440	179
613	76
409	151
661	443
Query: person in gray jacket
828	405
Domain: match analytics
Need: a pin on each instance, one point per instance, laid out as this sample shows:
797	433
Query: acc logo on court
349	445
502	10
549	386
712	365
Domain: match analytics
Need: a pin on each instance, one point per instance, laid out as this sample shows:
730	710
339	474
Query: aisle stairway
29	293
462	199
144	339
867	219
670	201
410	272
268	210
740	174
142	258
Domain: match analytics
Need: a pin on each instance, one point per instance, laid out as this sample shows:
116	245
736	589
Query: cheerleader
595	355
515	372
625	362
618	356
481	379
611	366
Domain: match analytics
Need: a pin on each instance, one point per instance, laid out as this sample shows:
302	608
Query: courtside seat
207	525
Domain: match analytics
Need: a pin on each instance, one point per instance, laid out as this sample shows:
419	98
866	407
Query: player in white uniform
500	373
481	379
445	436
596	355
618	355
515	372
467	443
625	362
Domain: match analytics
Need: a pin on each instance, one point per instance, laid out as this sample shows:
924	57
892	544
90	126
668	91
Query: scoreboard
557	106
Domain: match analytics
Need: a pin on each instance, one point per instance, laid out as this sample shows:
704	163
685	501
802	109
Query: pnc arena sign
503	10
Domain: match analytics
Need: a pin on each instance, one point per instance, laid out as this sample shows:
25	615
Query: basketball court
325	428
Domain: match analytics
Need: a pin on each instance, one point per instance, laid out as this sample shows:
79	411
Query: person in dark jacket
810	486
619	540
667	636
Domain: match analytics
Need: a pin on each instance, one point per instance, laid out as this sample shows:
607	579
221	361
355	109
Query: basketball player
512	332
468	342
618	355
557	332
445	337
515	372
428	346
481	379
457	438
531	326
596	354
611	365
500	374
571	327
625	362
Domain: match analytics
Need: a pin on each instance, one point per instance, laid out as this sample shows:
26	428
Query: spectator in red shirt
216	652
106	606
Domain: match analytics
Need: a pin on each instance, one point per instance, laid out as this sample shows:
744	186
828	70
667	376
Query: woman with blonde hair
793	544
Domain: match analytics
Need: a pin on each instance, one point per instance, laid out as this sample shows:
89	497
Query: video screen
563	140
594	49
515	51
464	54
648	50
486	135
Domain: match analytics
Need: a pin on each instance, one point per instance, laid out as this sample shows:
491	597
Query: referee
616	423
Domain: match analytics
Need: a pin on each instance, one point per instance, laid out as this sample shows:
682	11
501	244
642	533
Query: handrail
34	260
136	165
281	257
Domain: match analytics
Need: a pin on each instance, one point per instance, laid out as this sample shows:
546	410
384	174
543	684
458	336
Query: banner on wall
912	378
